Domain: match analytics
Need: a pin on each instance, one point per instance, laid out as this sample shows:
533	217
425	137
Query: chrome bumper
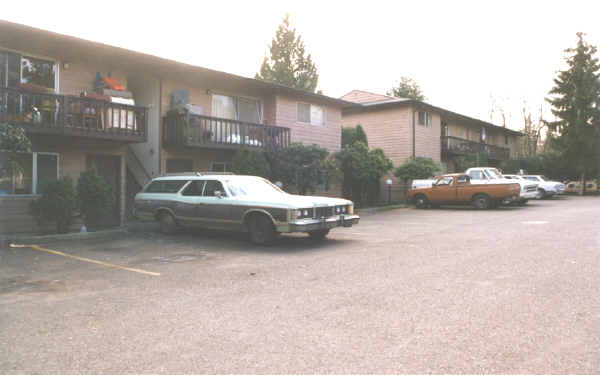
308	225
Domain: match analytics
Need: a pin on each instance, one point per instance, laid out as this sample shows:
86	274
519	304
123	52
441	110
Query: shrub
95	198
57	204
301	167
417	168
251	162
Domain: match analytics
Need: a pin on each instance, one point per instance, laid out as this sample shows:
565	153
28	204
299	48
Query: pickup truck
456	189
490	175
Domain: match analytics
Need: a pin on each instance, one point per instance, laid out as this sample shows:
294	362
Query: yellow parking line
36	247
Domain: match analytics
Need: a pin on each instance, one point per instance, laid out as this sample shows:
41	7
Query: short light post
389	185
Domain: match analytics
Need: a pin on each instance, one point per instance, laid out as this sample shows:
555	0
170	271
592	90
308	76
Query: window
445	181
310	114
194	189
212	187
165	186
237	108
18	70
462	179
29	172
477	175
218	167
506	139
424	118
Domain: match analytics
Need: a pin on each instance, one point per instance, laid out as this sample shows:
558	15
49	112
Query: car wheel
167	223
318	234
481	202
541	193
262	231
421	201
523	202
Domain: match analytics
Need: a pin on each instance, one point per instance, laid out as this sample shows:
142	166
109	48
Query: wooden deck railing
460	146
204	131
71	115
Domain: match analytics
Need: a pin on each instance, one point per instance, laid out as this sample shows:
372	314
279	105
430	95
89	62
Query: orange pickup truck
453	189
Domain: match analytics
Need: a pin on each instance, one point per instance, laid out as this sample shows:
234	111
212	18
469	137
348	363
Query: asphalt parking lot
451	290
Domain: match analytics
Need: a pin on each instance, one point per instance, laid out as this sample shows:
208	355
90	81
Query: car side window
462	179
476	175
194	189
211	187
446	181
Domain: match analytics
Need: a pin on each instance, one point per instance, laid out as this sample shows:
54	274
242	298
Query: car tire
421	201
523	202
262	231
318	234
167	223
541	194
481	202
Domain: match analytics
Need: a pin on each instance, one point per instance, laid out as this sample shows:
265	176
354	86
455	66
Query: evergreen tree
576	104
288	64
407	88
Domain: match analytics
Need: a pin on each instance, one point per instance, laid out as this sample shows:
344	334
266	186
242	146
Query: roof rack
203	173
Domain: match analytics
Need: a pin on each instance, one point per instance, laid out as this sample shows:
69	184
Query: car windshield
252	186
493	173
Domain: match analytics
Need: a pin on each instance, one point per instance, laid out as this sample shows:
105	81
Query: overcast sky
460	52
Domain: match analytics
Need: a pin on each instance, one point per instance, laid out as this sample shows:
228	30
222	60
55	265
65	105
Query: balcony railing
460	146
212	132
43	113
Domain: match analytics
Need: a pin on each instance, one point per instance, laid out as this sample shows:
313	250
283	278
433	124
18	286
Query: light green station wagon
239	203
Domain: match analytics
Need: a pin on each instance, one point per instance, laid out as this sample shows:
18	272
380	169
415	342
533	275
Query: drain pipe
414	135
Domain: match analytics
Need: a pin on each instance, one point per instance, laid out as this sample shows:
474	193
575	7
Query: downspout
414	137
160	126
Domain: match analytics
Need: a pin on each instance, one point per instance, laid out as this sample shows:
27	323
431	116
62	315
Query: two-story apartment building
404	128
134	116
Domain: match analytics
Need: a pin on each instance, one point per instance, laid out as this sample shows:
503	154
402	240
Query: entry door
109	167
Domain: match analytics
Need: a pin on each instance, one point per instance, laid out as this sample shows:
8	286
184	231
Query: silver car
239	203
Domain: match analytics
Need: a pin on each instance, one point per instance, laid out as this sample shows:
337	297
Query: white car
546	187
417	184
532	191
489	175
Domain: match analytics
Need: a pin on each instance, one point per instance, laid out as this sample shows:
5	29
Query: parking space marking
534	222
56	252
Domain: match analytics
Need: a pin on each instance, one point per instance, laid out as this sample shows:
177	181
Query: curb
381	208
5	240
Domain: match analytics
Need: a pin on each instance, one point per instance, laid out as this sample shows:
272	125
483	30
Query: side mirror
219	194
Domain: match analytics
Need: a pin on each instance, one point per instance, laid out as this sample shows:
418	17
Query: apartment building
404	128
134	116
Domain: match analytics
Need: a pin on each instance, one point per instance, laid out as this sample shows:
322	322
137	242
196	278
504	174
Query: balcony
65	115
190	130
460	146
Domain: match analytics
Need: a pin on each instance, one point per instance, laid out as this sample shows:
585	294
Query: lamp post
389	184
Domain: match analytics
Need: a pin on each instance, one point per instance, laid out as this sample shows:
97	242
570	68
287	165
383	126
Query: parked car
546	187
490	175
529	190
239	203
574	186
457	188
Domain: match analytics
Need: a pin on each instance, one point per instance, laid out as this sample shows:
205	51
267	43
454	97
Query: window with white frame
237	108
19	70
26	173
424	118
310	114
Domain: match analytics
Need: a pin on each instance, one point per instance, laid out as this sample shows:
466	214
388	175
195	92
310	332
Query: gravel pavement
444	291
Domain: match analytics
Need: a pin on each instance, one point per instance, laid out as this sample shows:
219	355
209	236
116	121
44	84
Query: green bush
417	168
251	162
302	168
57	204
96	198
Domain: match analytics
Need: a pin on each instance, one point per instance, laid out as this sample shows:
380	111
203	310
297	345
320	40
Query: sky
465	55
